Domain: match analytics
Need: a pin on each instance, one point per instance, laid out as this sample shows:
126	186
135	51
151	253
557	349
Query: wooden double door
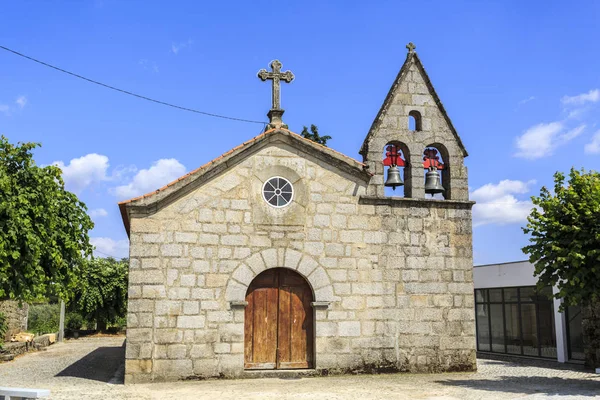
278	327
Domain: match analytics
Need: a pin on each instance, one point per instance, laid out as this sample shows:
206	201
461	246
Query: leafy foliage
43	318
565	237
102	292
43	228
74	321
314	135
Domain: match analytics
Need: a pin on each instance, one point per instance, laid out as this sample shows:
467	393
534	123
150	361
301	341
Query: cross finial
411	47
276	76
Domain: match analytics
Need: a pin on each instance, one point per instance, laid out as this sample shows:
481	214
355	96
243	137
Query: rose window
278	192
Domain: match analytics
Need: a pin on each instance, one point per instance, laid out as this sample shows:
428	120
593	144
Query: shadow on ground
103	364
531	385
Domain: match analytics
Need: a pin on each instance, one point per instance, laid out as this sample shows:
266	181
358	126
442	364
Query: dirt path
91	368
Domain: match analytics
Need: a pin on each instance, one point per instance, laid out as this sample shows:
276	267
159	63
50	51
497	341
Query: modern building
514	318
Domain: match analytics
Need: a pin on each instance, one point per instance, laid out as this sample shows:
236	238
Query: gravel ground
92	368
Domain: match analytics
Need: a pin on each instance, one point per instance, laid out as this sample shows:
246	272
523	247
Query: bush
43	318
74	321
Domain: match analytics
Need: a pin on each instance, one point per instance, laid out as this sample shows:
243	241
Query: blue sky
519	80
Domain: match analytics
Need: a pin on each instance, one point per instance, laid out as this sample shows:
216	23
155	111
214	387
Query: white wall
504	275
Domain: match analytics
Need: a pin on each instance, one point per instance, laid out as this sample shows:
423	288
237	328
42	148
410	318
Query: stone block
191	321
201	266
208	239
153	276
167	335
349	328
176	351
202	294
139	335
201	351
318	278
292	258
234	240
173	368
326	329
244	274
307	266
222	348
186	237
220	316
136	305
154	291
216	280
191	307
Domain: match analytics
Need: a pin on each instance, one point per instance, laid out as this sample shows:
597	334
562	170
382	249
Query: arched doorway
279	324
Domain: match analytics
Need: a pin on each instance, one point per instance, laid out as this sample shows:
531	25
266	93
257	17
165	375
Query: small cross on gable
411	47
276	76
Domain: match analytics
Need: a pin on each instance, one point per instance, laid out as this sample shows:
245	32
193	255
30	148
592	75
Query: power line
128	92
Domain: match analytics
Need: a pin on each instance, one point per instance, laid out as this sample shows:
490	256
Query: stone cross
411	47
276	76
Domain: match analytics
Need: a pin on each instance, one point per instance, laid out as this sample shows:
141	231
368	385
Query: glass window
547	329
530	330
527	293
483	327
575	333
511	294
513	330
546	294
497	320
481	295
278	192
495	295
518	320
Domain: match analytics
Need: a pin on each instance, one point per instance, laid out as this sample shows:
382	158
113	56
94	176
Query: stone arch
445	173
414	121
305	265
406	189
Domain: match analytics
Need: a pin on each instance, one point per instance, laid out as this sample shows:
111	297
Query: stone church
285	254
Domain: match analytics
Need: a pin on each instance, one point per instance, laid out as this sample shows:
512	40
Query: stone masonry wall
16	316
392	277
412	93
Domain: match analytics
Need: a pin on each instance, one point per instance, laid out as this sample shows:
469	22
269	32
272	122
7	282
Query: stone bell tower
413	118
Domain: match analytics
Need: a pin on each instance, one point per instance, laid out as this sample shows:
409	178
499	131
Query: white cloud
98	212
83	171
527	100
21	101
542	139
107	247
7	109
496	203
146	180
149	65
177	47
593	147
592	96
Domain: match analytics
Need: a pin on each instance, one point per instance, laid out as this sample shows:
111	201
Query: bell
432	182
393	178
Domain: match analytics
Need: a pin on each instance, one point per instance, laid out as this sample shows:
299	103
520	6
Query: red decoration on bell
431	159
393	156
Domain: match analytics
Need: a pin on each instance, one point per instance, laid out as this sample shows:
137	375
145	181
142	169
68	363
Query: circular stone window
278	192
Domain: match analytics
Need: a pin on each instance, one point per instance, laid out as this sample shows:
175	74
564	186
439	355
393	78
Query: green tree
314	135
43	228
102	292
565	237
